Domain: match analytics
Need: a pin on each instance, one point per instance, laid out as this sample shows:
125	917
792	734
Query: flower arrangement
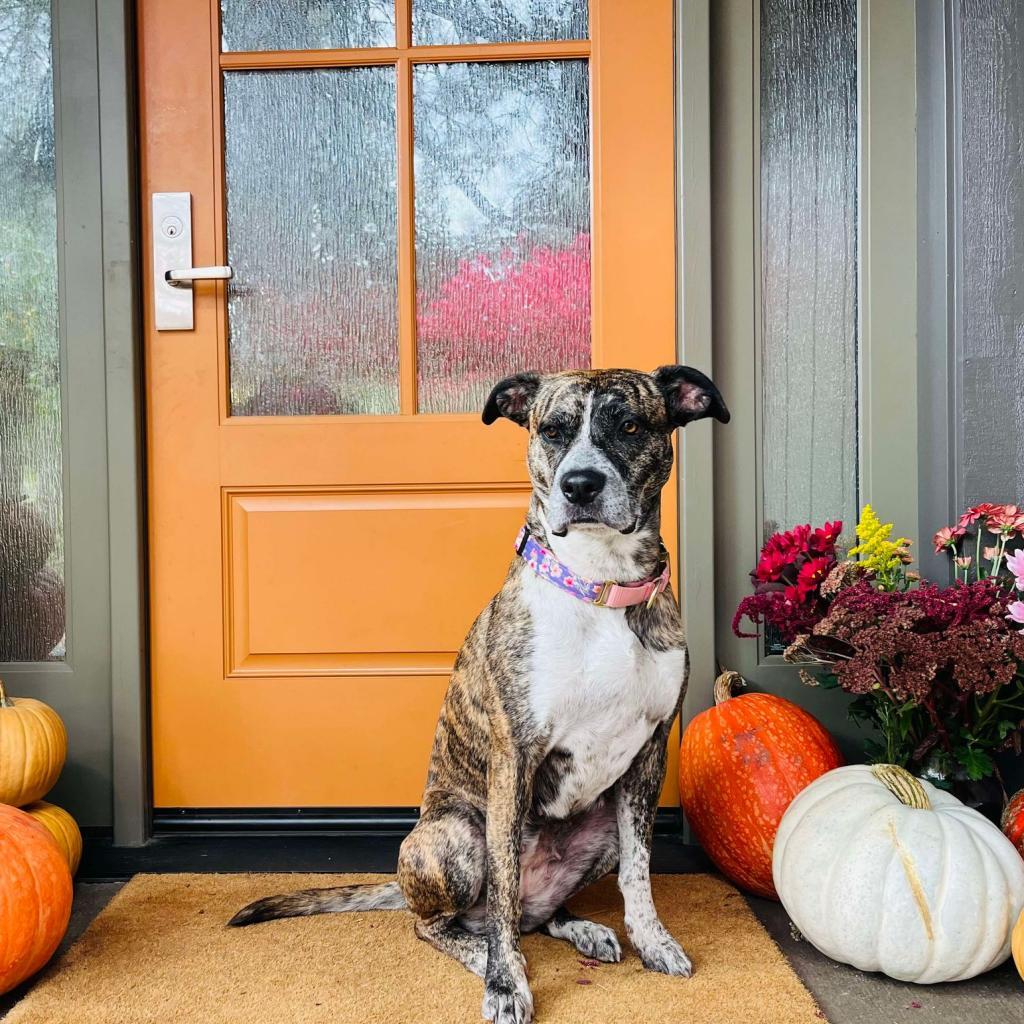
938	670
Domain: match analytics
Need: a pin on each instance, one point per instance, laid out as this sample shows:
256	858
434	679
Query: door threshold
297	843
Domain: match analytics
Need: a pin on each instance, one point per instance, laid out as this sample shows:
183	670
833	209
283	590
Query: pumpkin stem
724	685
902	785
5	701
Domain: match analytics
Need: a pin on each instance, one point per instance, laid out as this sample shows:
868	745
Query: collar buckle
605	592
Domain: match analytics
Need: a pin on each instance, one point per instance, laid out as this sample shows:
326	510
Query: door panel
407	224
291	614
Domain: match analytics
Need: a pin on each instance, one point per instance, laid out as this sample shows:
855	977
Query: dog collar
603	593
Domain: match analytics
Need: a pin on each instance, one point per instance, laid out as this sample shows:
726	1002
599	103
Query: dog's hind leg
441	872
448	937
597	941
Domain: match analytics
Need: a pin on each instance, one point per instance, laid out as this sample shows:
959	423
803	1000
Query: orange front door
410	214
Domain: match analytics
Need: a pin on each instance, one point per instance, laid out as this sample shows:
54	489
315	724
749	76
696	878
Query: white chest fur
594	690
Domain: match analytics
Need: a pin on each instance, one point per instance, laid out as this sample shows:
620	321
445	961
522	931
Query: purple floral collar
604	593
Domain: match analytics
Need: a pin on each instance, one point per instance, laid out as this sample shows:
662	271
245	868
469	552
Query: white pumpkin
885	872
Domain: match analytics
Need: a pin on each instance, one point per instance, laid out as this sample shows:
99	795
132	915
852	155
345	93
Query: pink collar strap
604	593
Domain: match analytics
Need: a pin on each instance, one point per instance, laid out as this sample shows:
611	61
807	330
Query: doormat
160	953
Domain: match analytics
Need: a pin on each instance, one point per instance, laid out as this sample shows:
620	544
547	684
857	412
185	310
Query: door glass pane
990	293
311	214
502	166
306	24
31	475
440	22
809	262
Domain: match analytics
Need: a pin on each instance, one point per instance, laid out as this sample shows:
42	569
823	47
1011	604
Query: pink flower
963	562
1006	519
947	537
1015	563
1015	612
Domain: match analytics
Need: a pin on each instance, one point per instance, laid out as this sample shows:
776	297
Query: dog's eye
550	432
630	427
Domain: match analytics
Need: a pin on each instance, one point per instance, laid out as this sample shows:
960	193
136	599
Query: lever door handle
188	274
173	273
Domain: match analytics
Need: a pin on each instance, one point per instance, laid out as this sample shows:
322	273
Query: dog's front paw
508	1000
658	951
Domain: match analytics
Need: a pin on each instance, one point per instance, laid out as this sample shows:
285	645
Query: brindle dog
550	750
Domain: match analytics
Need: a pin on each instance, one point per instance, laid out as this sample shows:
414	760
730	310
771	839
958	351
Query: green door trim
132	804
693	318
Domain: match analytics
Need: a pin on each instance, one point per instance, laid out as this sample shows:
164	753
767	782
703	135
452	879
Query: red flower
824	538
812	574
972	515
790	543
770	566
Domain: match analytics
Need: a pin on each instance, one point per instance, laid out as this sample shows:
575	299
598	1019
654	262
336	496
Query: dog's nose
582	486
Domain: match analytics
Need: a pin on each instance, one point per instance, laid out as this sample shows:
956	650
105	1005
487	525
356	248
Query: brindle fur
493	773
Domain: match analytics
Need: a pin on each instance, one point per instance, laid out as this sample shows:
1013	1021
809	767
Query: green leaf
976	763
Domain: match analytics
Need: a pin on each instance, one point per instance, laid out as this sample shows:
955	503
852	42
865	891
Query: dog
550	749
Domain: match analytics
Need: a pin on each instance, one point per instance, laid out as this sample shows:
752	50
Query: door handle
189	274
173	272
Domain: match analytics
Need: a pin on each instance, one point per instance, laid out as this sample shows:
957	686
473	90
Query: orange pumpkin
1017	944
62	827
741	764
1013	821
35	896
33	745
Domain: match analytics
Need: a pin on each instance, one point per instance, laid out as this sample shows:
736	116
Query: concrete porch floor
846	996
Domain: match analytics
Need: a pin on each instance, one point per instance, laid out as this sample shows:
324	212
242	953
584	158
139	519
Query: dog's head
601	440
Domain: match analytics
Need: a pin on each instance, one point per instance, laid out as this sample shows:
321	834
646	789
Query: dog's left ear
689	395
512	398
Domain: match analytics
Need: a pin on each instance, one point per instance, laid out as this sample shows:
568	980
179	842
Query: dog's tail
379	896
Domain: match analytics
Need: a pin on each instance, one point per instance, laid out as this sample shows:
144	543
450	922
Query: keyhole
171	227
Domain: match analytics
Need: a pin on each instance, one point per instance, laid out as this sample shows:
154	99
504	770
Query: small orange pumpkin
62	827
35	896
33	745
1017	944
741	764
1013	821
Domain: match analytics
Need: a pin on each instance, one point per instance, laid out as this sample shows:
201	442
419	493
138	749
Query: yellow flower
879	554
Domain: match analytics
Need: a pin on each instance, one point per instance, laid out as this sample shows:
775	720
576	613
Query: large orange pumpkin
1013	821
35	896
742	762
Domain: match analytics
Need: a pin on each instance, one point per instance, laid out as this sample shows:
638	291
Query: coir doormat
160	953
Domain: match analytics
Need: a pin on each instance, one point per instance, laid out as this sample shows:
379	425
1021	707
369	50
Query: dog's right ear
512	398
